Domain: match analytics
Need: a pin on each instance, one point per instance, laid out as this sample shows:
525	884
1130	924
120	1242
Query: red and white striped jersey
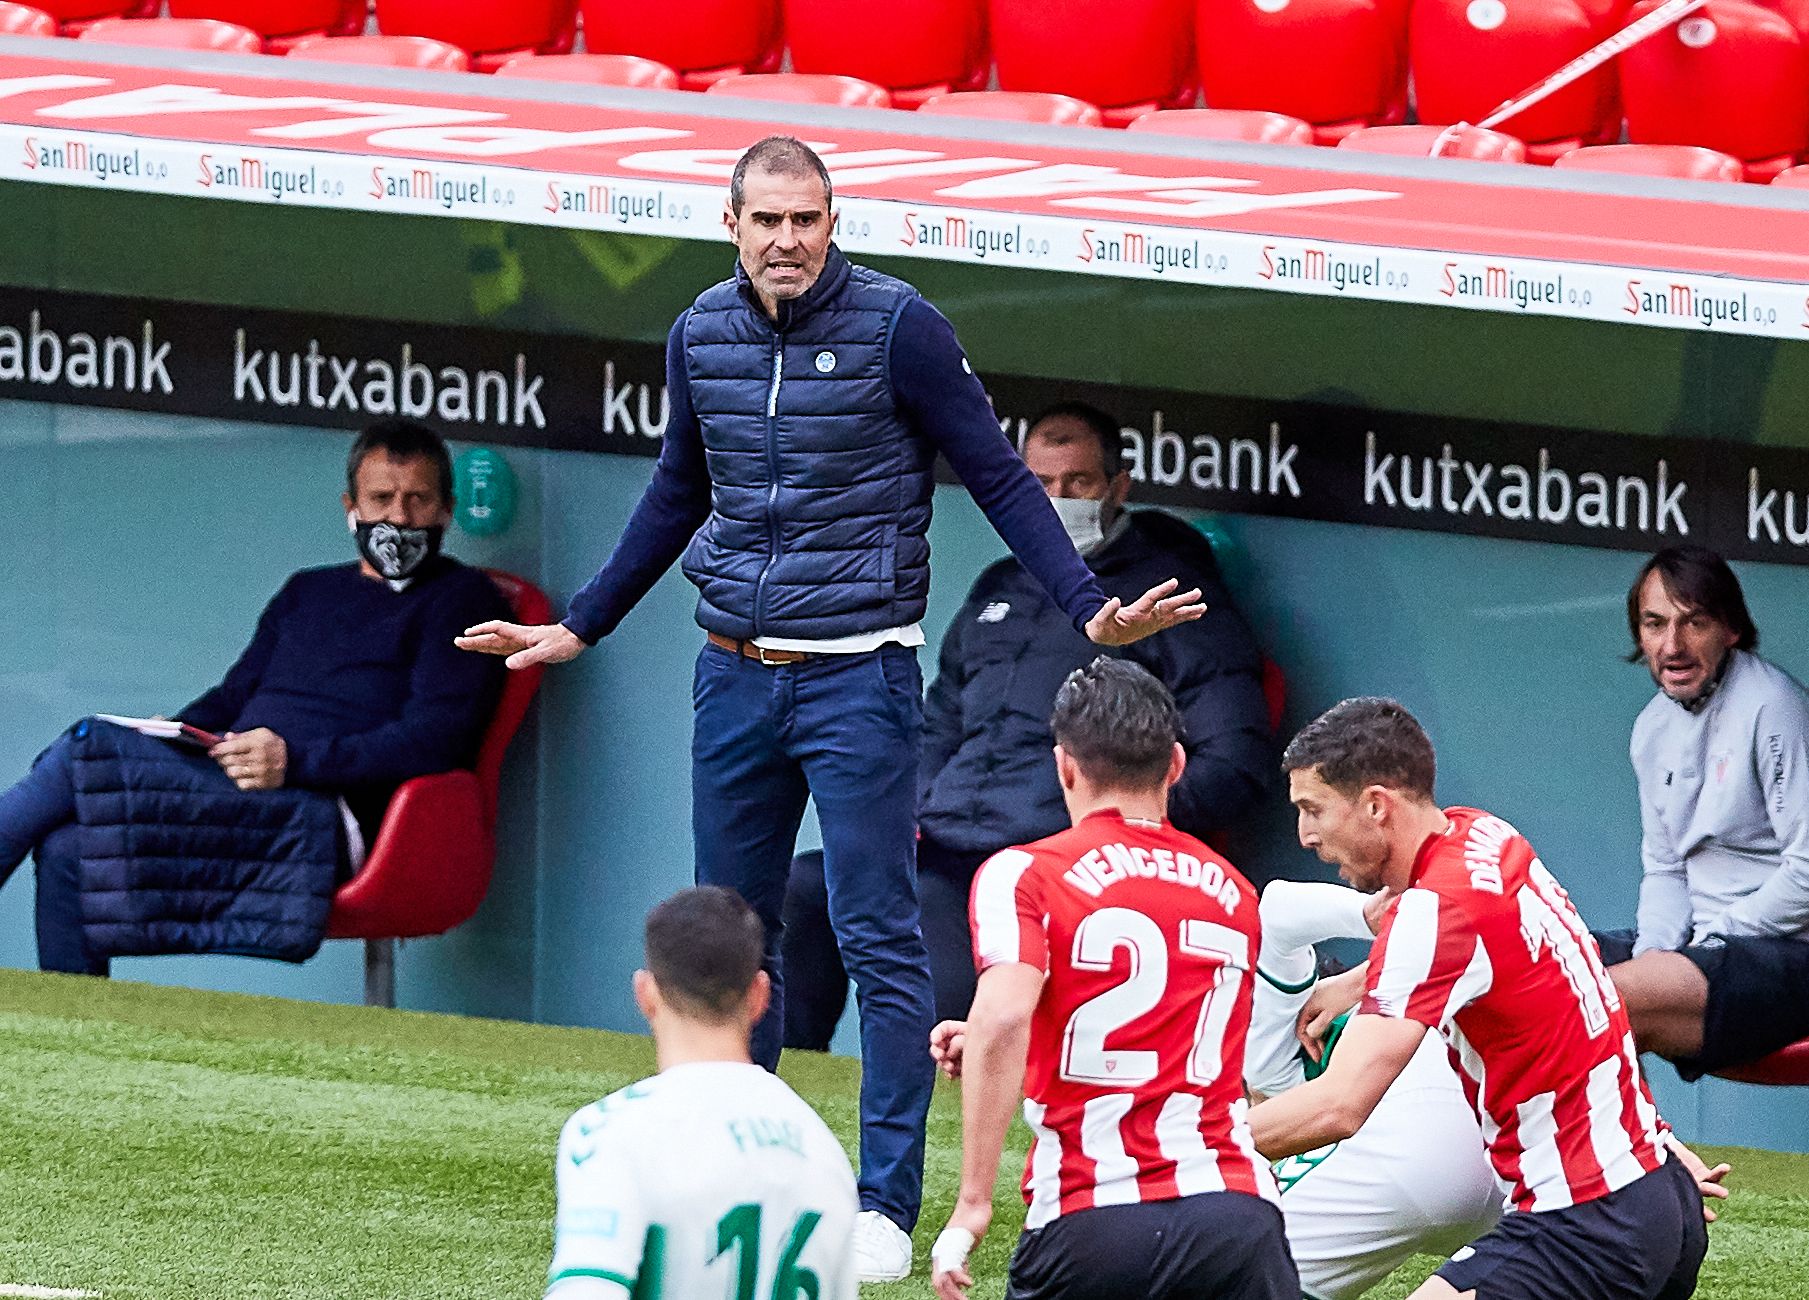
1485	947
1134	1084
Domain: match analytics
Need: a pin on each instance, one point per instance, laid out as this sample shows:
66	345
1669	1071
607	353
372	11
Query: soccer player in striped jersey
712	1178
1484	947
1114	988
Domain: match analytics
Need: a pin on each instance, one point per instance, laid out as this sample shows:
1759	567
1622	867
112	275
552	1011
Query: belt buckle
760	654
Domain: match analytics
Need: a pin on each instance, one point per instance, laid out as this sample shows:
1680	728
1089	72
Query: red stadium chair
1467	56
1733	77
1796	178
176	34
1014	106
23	20
1247	124
280	22
1471	142
929	48
803	88
488	31
383	51
1126	56
1786	1067
430	865
705	40
1339	64
1683	161
73	15
627	70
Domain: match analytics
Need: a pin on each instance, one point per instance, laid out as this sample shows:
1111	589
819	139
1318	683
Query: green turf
161	1144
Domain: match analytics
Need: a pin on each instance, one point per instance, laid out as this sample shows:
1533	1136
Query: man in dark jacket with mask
350	686
987	779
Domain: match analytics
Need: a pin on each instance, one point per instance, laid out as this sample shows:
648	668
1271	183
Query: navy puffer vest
820	488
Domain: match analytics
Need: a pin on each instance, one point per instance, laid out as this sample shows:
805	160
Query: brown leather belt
748	650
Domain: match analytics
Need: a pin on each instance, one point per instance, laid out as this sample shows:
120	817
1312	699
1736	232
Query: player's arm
996	1049
1370	1057
600	1229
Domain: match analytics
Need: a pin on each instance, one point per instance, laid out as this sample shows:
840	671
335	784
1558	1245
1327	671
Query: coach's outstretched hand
526	645
1155	610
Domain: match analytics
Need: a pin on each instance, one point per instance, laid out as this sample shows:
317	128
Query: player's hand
948	1042
949	1273
1329	999
1708	1181
1376	907
255	760
1155	610
526	645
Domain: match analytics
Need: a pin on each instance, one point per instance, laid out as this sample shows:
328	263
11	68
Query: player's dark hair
400	440
1106	431
1363	742
1696	578
704	947
1118	722
778	155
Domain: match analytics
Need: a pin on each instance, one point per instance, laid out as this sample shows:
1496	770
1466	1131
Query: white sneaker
882	1249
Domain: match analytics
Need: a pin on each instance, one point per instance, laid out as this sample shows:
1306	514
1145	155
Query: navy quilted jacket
820	490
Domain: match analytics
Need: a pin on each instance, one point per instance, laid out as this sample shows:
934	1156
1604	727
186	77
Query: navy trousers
37	816
842	730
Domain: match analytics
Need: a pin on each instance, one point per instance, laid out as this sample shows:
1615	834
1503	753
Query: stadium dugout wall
1431	473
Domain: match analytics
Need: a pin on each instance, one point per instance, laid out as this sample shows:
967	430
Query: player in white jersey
712	1178
1415	1177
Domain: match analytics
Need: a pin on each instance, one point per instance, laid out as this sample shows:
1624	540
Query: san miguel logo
103	164
979	239
1506	285
1316	265
443	189
625	207
1135	248
1685	301
246	172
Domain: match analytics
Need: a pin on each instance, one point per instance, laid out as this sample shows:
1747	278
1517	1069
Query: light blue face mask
1080	517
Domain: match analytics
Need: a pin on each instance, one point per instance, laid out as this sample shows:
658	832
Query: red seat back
487	30
1248	124
927	48
628	70
1014	106
703	39
528	604
1733	77
804	88
23	20
176	34
1683	161
1471	142
1127	56
72	15
1787	1067
1338	64
266	17
1467	56
384	51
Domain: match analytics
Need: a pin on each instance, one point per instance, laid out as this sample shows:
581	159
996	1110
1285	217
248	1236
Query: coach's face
781	233
1342	830
1683	646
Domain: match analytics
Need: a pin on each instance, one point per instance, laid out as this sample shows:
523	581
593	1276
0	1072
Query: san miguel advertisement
1293	459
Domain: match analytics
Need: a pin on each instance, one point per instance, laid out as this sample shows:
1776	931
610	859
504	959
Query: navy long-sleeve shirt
363	683
938	392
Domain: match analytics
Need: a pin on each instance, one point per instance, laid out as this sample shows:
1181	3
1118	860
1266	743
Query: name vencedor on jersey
1111	864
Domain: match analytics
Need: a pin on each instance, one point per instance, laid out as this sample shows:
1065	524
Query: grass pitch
163	1144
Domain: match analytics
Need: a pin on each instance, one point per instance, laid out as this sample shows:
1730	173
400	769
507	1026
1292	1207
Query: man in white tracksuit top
1719	969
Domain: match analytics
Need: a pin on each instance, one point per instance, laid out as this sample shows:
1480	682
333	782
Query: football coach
809	399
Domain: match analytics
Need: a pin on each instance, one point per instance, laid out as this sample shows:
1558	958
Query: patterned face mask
394	551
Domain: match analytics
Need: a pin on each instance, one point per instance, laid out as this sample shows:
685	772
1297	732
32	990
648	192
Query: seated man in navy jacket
986	780
350	686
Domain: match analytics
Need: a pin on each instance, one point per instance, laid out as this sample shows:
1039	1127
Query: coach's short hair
400	440
779	155
1363	742
1118	722
704	947
1696	578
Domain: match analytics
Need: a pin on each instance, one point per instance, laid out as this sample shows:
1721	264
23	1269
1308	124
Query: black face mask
395	552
